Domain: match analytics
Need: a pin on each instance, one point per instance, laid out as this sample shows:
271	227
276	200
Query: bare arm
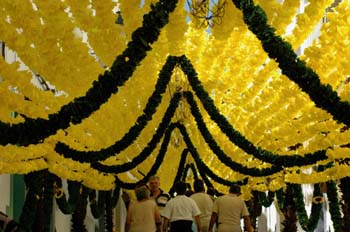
214	217
128	220
165	224
158	219
247	224
198	222
127	223
157	215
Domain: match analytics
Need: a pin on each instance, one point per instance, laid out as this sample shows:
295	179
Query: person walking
180	211
204	203
228	211
161	197
143	215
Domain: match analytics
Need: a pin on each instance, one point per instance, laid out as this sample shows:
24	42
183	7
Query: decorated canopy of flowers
108	92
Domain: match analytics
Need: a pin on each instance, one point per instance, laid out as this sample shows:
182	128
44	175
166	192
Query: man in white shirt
204	202
180	211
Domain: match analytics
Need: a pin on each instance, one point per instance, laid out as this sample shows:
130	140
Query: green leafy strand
98	207
200	164
109	213
150	146
234	135
159	159
266	201
180	170
280	199
334	209
33	131
218	151
34	189
295	69
155	166
68	206
193	169
79	214
129	137
308	224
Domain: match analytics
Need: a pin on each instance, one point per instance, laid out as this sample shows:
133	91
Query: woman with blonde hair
143	214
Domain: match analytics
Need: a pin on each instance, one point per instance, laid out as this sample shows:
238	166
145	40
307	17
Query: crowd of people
154	210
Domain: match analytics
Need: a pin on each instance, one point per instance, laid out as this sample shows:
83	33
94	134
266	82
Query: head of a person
180	188
235	189
154	183
142	192
198	185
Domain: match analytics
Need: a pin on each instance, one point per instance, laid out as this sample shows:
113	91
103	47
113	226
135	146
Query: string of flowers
33	131
289	211
280	199
308	224
67	206
234	135
334	209
180	170
97	206
295	69
45	205
218	151
79	214
155	166
129	137
200	164
193	169
150	146
266	201
208	182
109	212
29	212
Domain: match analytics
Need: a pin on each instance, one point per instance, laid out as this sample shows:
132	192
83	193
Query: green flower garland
334	209
79	214
218	151
97	207
155	166
289	211
150	146
308	224
37	209
264	200
295	69
68	206
159	159
180	170
135	130
28	214
234	136
194	171
33	131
